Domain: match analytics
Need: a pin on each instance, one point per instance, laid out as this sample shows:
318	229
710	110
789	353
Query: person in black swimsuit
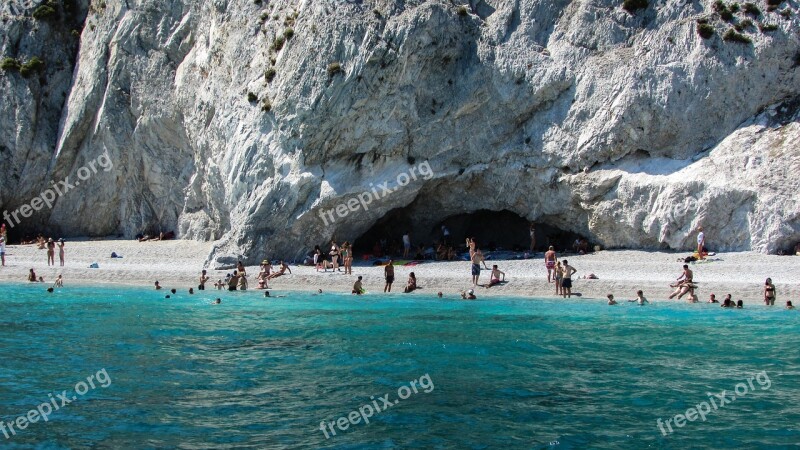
769	293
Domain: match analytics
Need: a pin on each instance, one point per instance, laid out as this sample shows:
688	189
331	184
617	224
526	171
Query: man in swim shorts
566	282
550	262
477	259
494	278
388	272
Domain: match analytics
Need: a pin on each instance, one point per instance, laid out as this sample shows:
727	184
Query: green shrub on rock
732	36
334	68
44	12
32	66
269	74
9	64
705	30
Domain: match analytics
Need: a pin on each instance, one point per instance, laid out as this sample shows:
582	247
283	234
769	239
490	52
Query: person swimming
217	301
611	300
158	286
789	304
468	295
640	298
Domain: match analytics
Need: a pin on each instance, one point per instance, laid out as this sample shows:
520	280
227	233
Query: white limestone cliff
507	103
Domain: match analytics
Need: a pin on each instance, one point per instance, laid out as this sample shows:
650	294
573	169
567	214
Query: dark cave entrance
493	230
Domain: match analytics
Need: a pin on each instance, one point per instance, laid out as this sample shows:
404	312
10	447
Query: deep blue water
501	373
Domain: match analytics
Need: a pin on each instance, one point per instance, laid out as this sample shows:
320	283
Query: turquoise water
502	373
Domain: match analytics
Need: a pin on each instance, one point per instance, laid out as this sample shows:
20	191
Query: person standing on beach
334	255
558	275
51	252
566	282
3	250
445	236
388	272
347	258
701	242
406	244
533	238
203	279
769	293
60	252
477	258
550	262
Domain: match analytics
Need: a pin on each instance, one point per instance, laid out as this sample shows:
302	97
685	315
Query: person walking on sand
51	252
406	244
701	242
566	282
477	258
550	262
769	293
388	273
3	250
60	251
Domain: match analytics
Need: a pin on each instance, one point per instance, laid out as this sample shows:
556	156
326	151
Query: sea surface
151	372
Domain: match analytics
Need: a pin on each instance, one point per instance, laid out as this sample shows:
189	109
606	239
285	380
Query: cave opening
493	230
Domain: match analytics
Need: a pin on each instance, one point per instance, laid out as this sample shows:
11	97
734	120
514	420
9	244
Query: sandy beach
177	264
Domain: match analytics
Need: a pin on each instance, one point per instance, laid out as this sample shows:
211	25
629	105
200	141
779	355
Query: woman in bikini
347	258
334	255
769	293
558	276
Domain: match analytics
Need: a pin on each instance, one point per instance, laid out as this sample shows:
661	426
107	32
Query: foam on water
510	373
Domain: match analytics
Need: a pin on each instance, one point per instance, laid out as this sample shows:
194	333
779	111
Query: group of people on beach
49	244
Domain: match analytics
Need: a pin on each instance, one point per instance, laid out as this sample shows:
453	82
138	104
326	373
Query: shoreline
177	264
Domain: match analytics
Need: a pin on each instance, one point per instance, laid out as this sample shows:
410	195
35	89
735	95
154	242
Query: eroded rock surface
246	121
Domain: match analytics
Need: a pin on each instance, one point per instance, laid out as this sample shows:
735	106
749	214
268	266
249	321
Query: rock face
250	122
